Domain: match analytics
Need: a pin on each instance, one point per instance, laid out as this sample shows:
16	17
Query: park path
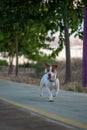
69	108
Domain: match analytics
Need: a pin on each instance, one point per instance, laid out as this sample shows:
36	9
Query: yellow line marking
47	114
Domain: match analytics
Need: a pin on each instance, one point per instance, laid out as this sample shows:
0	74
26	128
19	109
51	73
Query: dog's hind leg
57	87
41	88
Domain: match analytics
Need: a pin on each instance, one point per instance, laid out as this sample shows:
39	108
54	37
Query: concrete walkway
68	108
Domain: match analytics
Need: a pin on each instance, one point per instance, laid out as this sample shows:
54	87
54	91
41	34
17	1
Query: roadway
68	108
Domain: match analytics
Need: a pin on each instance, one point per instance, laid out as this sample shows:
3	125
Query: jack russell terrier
50	81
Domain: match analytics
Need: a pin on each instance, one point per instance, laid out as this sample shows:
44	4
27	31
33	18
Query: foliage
30	21
79	89
27	23
3	63
22	20
27	65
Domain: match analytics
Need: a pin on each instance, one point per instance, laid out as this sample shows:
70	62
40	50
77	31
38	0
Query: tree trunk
16	44
84	62
10	71
68	57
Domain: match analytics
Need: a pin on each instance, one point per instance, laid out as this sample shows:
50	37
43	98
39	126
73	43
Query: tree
16	18
54	15
66	19
7	48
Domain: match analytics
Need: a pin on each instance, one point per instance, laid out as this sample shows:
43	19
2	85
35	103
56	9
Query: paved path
14	118
68	108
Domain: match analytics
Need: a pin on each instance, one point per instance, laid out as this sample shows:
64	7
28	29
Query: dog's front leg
50	95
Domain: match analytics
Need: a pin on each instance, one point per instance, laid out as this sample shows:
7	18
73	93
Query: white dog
50	81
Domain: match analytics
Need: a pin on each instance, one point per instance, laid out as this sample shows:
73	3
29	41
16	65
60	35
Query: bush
79	89
27	65
3	63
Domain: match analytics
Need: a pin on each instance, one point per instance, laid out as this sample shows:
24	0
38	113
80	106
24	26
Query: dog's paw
41	95
54	95
50	100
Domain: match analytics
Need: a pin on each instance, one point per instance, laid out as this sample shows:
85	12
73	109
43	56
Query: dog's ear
55	66
47	65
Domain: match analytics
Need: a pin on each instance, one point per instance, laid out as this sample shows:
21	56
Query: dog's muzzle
51	78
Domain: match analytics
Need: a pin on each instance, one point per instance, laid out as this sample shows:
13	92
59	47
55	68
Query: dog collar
52	80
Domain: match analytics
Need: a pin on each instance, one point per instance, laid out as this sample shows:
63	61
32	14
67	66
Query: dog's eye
52	70
47	70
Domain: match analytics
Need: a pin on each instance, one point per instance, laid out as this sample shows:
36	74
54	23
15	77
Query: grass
74	85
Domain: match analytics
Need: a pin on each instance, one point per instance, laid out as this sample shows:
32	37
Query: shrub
3	63
79	89
27	65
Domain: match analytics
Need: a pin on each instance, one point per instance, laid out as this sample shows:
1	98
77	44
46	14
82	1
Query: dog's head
51	71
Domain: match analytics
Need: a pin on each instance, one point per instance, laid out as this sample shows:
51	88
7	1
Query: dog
50	81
